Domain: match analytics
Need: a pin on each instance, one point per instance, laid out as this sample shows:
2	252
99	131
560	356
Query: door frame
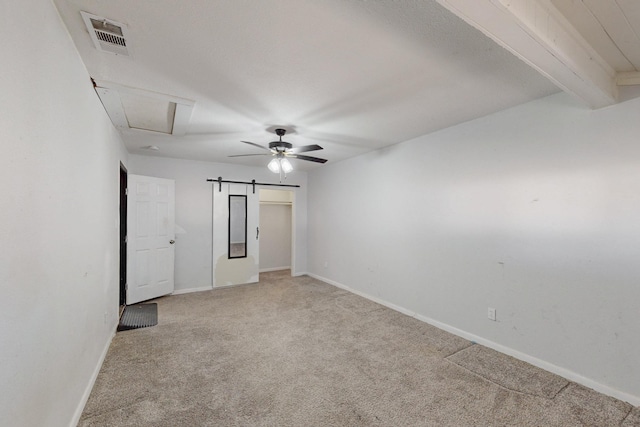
123	236
292	243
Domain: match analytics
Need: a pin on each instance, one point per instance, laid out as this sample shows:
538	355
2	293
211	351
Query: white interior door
227	270
150	237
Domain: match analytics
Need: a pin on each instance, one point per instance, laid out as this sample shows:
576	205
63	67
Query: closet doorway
276	230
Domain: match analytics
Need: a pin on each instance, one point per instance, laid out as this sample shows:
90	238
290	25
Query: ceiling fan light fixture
286	166
274	166
280	164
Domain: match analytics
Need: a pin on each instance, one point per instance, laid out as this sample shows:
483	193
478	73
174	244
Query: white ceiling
350	75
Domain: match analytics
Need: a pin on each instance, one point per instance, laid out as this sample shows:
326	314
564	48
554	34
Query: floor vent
107	35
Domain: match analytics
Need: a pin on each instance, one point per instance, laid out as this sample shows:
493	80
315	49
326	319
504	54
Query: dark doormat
138	316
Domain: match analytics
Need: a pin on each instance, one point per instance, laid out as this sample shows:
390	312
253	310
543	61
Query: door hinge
126	191
126	239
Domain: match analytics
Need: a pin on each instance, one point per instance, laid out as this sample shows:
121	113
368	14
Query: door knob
172	241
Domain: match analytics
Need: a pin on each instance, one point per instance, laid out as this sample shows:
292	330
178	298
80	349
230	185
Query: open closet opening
276	229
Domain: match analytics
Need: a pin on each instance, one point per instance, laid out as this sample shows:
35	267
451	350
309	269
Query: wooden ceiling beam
536	32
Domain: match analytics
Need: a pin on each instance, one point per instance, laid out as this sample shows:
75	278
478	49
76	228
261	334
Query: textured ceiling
351	76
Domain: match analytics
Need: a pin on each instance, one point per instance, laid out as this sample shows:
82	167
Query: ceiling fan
281	151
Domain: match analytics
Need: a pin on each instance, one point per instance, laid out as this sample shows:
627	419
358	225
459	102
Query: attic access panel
147	113
137	109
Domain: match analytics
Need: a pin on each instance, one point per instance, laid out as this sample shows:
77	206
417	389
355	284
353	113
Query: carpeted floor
298	352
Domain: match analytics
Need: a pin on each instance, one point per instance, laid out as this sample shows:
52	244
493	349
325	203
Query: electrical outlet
326	264
491	314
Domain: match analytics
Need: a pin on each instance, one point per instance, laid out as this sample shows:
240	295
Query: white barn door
228	270
150	237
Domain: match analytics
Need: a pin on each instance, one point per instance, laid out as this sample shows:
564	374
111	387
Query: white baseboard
267	270
87	391
190	290
563	372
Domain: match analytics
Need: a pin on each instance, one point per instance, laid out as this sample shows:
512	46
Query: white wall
534	211
59	180
275	236
193	211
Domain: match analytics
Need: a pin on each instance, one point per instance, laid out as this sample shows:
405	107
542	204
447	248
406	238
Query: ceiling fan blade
246	155
305	148
257	145
308	158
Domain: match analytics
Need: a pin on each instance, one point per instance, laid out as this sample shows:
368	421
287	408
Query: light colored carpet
298	352
508	372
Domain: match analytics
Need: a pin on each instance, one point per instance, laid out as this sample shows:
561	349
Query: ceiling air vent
107	35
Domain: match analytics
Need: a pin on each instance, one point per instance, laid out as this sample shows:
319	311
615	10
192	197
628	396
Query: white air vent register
107	35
